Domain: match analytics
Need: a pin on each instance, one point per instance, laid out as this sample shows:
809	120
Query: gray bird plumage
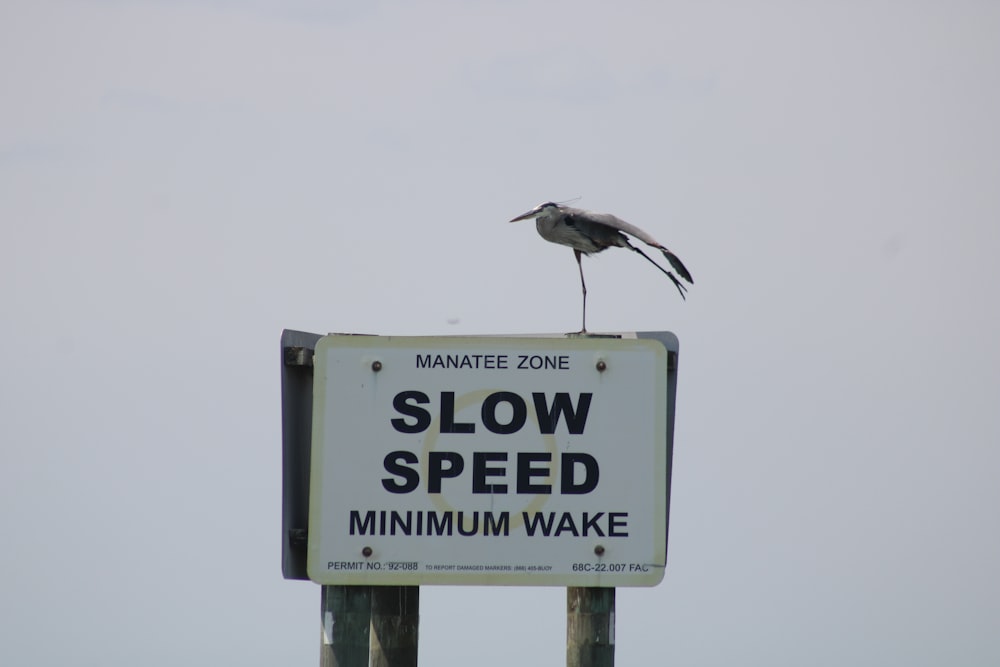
587	232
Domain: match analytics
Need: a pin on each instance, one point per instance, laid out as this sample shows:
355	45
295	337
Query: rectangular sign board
488	461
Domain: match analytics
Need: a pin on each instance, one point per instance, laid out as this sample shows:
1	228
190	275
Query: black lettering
403	405
592	473
493	526
436	470
525	472
480	472
397	520
489	412
537	522
461	524
591	523
448	424
548	418
566	524
614	523
440	526
362	528
411	477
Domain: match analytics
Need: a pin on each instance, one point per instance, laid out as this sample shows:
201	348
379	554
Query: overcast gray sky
181	180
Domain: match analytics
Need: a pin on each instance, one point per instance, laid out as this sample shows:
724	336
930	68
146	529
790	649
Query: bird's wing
620	225
590	234
588	221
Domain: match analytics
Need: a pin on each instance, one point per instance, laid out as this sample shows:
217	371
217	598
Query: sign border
663	459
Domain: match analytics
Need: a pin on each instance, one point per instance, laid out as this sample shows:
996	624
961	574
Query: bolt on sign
482	461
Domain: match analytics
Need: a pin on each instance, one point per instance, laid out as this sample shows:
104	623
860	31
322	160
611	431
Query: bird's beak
525	216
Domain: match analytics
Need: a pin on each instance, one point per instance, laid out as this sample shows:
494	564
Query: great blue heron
587	232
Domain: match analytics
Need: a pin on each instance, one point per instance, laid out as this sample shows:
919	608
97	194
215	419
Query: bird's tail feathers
679	267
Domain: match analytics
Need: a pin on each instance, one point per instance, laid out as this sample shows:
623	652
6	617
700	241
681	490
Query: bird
587	232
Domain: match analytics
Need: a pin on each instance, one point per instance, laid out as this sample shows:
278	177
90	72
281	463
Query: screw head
366	552
599	550
376	365
601	366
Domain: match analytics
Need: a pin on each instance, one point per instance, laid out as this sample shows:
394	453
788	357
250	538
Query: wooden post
345	612
395	621
590	627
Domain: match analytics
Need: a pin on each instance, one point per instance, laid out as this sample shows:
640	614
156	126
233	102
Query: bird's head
539	211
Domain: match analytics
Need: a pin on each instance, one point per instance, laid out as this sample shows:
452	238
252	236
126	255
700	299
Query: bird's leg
583	286
680	286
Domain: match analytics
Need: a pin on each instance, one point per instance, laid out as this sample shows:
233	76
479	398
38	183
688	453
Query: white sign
517	461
